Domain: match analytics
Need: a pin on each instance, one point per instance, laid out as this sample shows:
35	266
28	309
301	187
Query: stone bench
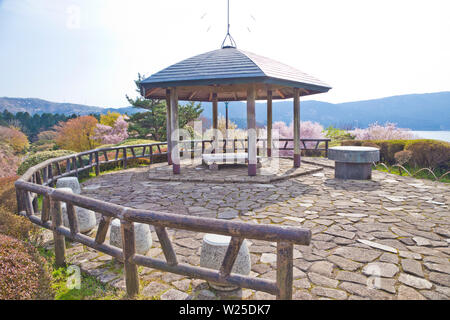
352	162
213	160
142	236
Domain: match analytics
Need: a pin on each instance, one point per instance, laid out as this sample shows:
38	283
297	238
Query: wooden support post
46	207
97	164
230	256
215	121
169	126
124	158
297	150
269	123
75	166
251	131
285	255
102	230
175	152
129	249
73	219
60	243
166	246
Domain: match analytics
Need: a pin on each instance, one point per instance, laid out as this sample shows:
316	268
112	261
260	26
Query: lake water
437	135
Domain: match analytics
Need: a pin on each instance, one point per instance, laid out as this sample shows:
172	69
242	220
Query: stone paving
269	171
387	238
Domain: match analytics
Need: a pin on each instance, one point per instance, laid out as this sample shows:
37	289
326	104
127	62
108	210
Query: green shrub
10	223
429	153
22	272
425	153
41	157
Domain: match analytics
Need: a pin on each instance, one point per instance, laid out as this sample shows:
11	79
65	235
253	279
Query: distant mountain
33	105
428	111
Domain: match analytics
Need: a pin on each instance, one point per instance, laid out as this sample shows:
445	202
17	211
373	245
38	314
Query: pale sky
90	51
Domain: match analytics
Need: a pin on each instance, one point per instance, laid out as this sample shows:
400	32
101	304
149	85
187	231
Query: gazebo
230	74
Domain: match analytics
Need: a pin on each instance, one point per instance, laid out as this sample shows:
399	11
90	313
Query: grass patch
421	175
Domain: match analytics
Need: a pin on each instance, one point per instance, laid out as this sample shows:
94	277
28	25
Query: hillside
429	111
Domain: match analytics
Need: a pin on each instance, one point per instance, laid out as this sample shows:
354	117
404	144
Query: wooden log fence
40	179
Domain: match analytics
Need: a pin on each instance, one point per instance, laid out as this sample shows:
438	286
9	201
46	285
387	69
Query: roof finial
232	42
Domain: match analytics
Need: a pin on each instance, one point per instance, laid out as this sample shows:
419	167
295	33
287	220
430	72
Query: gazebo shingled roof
230	74
229	70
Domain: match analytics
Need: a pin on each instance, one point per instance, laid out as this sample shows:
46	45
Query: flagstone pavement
387	238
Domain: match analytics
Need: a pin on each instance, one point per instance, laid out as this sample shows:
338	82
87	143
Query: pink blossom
378	132
308	130
112	135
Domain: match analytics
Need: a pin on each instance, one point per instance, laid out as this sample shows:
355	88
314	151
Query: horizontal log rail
39	181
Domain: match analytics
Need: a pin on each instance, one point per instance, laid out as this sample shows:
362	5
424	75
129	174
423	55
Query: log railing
39	181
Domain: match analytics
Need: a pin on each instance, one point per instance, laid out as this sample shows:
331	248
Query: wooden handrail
31	183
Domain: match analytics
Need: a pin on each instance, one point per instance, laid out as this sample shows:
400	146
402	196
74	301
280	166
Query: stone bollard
86	218
213	251
142	236
69	182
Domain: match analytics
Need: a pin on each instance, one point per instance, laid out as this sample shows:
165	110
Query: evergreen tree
152	124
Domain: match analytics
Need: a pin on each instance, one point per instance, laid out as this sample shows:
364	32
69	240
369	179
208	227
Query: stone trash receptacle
142	236
69	182
213	251
353	162
86	218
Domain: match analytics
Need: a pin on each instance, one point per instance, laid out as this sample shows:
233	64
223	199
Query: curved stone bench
352	162
213	251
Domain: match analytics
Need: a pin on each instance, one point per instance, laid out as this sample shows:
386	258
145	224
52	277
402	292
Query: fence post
326	149
60	242
285	266
97	164
129	248
125	158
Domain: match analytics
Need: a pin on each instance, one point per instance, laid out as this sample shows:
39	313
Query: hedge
23	274
426	153
39	157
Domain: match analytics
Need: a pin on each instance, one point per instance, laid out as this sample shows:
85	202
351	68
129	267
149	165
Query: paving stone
322	267
259	295
407	293
331	293
389	257
357	254
421	241
378	245
410	255
432	295
351	277
174	294
412	281
381	269
344	263
206	295
385	284
182	285
363	291
444	268
321	280
154	289
268	258
302	283
439	278
229	214
301	295
413	267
